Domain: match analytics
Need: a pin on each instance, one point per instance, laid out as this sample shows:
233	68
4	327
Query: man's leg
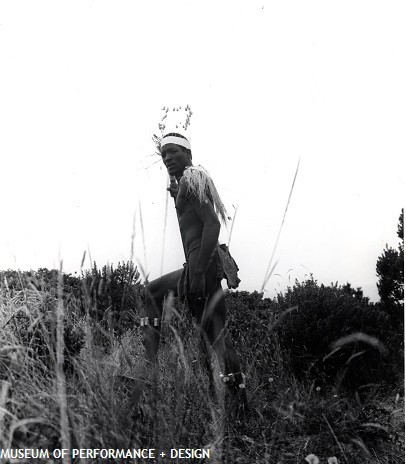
217	334
155	292
211	314
212	318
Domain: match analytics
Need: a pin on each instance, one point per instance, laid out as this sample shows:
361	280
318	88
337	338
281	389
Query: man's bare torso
190	225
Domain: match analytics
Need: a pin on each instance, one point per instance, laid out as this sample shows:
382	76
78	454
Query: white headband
176	140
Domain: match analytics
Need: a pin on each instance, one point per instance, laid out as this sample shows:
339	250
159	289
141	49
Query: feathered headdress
200	184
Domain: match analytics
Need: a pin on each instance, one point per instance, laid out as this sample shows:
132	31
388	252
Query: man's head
176	153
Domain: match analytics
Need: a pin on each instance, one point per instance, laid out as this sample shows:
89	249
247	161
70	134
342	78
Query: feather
201	185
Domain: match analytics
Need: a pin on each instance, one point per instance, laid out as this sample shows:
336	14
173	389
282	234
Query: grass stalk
59	372
5	386
232	225
164	231
336	439
268	272
143	238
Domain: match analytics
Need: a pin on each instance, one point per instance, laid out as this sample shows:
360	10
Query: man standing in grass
198	206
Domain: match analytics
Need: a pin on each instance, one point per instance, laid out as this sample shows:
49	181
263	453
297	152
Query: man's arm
211	230
210	235
173	187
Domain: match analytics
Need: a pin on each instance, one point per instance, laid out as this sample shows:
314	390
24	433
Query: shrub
113	295
323	316
43	280
251	322
390	272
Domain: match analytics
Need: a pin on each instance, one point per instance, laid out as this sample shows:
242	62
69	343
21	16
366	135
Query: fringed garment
200	184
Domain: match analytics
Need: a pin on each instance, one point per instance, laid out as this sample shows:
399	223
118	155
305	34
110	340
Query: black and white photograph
201	234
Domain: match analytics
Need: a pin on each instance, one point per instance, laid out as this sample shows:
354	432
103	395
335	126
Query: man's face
175	159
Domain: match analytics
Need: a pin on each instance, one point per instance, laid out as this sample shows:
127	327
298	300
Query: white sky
82	84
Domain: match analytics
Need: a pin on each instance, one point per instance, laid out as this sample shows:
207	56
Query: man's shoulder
194	191
197	181
196	184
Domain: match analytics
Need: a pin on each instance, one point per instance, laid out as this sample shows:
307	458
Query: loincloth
225	268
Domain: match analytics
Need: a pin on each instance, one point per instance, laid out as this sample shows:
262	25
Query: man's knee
158	288
151	290
153	300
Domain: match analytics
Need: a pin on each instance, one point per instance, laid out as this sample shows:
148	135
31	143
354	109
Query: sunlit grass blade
133	238
232	225
143	237
164	231
59	372
360	337
268	273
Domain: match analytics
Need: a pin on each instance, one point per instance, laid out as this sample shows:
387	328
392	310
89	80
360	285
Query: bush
321	317
250	323
389	269
113	296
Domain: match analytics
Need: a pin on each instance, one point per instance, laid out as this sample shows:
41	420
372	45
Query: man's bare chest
183	206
